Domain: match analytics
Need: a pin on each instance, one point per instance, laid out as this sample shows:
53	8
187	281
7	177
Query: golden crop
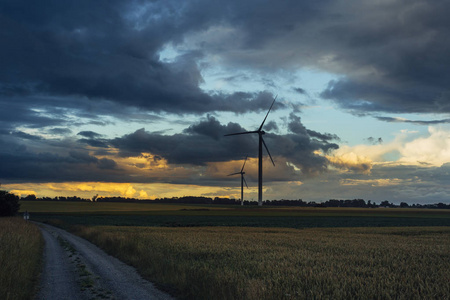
21	246
279	263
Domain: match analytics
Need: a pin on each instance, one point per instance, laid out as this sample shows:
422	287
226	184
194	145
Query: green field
174	215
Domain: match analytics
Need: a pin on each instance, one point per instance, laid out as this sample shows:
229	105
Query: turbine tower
242	180
260	133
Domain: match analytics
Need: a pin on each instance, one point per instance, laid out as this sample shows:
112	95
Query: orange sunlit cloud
374	182
22	193
103	189
433	150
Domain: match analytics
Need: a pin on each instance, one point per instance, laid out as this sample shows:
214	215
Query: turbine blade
262	124
234	174
244	163
240	133
244	181
268	152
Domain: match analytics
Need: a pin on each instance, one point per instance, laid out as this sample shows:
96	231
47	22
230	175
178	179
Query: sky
133	98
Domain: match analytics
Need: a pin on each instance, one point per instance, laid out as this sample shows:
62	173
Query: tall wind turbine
242	180
260	133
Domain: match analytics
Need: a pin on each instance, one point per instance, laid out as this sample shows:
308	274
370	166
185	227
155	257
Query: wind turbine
260	133
242	180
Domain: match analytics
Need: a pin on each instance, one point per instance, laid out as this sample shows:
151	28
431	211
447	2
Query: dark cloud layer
205	142
417	122
392	56
108	52
198	145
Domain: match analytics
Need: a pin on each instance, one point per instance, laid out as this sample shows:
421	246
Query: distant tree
9	204
385	203
30	197
404	205
94	199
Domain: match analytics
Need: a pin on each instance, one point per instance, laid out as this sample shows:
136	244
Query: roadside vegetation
283	263
21	246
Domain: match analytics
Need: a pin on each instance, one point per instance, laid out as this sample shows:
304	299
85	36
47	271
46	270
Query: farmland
280	263
229	252
174	215
20	257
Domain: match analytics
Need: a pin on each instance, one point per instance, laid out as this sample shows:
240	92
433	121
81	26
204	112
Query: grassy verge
21	246
283	263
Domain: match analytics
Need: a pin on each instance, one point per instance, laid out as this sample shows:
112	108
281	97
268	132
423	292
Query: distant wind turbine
242	180
260	133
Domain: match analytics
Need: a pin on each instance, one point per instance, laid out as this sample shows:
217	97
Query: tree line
361	203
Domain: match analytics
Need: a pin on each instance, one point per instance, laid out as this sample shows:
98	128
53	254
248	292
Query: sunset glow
134	100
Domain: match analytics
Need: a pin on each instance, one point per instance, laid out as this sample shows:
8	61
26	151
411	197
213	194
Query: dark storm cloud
95	143
89	134
62	131
205	142
24	135
93	139
108	51
271	126
300	145
15	112
63	62
392	56
300	91
21	164
200	143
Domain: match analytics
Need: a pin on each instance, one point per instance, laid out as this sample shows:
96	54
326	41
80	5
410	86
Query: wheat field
279	263
21	246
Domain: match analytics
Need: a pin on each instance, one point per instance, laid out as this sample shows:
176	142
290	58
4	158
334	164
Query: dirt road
76	269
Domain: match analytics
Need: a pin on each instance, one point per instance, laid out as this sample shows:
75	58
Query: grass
282	263
21	248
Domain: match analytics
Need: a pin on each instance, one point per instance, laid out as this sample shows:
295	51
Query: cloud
145	61
406	149
374	182
86	58
187	157
22	193
389	56
205	142
61	131
89	134
433	149
351	162
417	122
300	91
375	141
58	61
